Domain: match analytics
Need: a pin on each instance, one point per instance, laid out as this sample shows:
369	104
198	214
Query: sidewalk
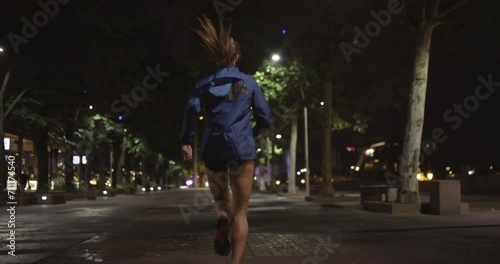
178	227
350	199
414	256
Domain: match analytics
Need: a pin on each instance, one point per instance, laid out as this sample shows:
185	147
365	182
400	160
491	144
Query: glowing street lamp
276	57
1	49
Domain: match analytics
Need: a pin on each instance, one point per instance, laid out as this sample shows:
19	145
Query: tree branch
446	10
445	22
409	23
423	15
4	83
15	101
407	14
432	11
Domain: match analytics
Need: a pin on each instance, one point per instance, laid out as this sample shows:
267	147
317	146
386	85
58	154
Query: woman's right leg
219	186
241	181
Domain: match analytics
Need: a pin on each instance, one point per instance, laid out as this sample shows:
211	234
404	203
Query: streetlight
1	49
306	145
276	58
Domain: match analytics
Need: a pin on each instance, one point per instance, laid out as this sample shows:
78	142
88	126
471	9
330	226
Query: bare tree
431	15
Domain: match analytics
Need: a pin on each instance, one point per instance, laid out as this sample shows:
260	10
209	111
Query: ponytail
220	45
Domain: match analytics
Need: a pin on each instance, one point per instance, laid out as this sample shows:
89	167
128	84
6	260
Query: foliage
59	184
137	146
124	186
83	188
285	85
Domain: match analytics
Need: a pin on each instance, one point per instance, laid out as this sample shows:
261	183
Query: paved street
178	227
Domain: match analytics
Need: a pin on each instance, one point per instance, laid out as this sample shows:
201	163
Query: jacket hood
222	76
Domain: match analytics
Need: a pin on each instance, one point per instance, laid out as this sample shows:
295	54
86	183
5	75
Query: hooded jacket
228	98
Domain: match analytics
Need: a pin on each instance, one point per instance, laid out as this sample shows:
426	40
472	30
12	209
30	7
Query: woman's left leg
219	187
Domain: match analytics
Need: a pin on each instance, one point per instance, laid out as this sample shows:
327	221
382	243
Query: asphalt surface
179	226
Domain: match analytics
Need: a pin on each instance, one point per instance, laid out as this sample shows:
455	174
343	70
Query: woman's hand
187	152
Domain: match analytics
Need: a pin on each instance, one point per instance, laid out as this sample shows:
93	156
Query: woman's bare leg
241	181
219	187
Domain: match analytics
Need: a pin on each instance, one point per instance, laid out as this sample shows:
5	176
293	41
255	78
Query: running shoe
221	243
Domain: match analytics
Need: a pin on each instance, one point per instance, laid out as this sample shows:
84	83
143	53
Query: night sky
461	52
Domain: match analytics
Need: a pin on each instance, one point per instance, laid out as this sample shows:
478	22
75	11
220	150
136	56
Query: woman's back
228	98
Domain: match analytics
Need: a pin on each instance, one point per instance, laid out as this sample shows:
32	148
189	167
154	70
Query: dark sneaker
221	243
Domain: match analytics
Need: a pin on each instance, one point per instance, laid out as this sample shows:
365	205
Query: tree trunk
42	160
112	175
90	152
269	165
117	168
195	159
327	139
121	161
142	169
408	188
262	181
273	173
54	171
127	178
293	157
52	160
20	150
101	157
19	169
69	170
88	167
3	165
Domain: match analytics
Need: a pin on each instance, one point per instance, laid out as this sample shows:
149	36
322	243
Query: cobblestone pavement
178	227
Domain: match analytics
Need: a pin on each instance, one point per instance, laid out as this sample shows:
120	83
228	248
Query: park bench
376	193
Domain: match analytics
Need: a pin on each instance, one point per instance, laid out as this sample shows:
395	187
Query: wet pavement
178	227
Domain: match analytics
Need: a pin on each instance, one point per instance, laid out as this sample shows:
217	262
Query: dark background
78	48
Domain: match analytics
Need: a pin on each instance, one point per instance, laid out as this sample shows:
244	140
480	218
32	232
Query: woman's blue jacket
228	98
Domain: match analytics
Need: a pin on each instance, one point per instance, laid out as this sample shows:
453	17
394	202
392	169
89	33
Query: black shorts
217	166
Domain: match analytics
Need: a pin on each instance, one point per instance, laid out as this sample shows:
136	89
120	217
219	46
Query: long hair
220	45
